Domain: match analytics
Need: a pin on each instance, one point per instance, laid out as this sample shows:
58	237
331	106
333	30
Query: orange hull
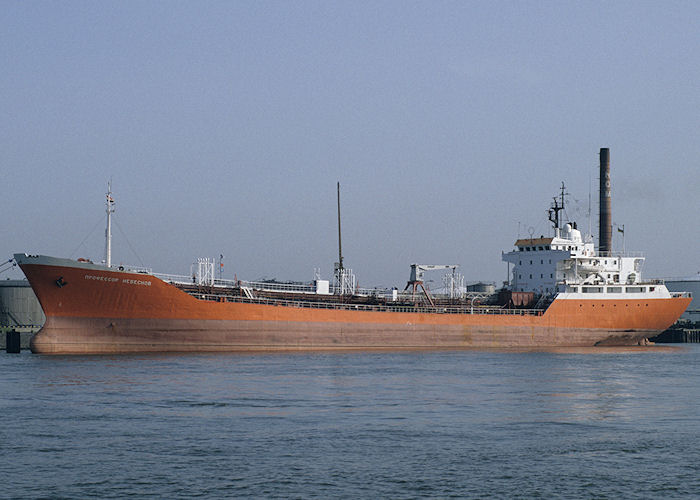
92	310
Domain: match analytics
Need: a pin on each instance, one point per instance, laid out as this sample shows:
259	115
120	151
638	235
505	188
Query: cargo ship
562	292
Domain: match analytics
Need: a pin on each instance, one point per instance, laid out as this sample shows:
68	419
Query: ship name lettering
136	282
101	278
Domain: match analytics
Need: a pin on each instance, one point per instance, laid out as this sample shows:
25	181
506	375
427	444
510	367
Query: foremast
109	203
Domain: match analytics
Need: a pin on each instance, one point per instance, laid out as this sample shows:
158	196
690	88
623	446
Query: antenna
340	246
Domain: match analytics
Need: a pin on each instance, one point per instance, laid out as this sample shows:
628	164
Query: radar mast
557	206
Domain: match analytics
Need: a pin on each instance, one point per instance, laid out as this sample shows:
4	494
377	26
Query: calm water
468	424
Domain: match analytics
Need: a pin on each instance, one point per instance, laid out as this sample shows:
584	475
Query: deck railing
403	308
303	288
619	254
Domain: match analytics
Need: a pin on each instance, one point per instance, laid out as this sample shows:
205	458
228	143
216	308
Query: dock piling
12	341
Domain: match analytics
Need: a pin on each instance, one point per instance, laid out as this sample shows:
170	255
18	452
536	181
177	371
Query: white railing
492	310
192	280
133	269
175	278
579	282
617	254
274	286
310	289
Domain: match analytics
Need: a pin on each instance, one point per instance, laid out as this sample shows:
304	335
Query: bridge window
615	289
635	289
592	289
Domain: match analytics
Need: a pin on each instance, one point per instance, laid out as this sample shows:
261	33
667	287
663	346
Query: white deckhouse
568	264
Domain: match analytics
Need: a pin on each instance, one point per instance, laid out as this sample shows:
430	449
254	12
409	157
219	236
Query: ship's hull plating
95	335
94	310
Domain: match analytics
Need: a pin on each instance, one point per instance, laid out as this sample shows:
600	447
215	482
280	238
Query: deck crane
416	279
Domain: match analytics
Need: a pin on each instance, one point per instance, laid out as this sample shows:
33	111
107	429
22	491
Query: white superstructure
568	265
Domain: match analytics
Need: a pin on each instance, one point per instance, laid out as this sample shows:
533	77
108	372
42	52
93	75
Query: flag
621	230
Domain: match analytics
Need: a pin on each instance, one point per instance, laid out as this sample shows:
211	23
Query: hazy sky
450	126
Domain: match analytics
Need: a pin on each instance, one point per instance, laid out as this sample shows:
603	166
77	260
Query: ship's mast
108	231
345	281
590	231
557	206
340	246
